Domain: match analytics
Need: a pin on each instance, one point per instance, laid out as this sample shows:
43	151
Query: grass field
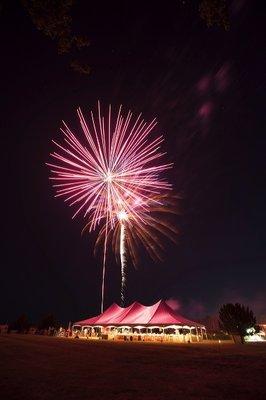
36	367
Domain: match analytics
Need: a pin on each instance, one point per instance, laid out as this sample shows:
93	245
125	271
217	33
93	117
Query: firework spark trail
123	262
148	234
111	168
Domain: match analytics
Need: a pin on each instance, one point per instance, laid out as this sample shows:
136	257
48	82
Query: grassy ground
36	367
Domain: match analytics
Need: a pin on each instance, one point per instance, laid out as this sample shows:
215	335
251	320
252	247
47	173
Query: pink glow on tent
130	318
144	316
159	313
126	314
107	315
88	321
164	314
112	310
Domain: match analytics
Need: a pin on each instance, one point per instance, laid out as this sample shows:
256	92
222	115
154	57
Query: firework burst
112	171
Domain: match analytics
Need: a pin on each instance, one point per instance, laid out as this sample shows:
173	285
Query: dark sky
207	88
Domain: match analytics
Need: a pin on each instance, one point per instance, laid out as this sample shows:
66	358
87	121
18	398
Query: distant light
254	338
250	331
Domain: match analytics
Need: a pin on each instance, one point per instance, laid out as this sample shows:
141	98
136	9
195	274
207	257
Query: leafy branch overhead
215	12
53	19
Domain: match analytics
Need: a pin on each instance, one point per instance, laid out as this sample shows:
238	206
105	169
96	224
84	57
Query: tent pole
190	334
197	334
205	333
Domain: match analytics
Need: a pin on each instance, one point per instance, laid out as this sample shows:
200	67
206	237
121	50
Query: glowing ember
122	215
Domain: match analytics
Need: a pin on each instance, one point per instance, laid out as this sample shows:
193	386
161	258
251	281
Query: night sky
206	86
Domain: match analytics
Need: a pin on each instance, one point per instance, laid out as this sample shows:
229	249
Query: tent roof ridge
156	308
